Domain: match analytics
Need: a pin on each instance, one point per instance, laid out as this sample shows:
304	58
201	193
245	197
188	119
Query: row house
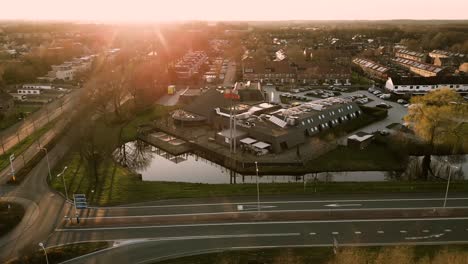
410	55
372	68
420	68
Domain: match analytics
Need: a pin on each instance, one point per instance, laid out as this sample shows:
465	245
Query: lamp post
48	164
12	158
45	252
448	185
63	178
258	187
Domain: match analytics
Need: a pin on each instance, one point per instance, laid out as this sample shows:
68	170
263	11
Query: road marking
279	202
357	232
264	223
380	232
448	230
343	205
241	207
424	237
312	234
425	231
335	233
403	231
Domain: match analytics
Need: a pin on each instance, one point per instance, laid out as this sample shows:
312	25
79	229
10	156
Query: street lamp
45	252
448	185
48	164
12	158
63	178
258	187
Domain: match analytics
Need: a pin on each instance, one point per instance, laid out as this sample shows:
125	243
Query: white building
37	86
27	91
422	85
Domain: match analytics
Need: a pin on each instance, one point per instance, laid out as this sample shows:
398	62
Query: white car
402	101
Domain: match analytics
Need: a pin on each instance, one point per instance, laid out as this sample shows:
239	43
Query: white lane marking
277	202
448	230
424	237
380	232
264	211
312	234
264	223
335	233
403	231
357	232
152	260
241	207
343	205
425	231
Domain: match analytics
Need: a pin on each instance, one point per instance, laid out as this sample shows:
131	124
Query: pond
157	165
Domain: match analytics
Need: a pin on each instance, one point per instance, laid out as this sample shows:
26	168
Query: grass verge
454	254
10	215
24	144
61	253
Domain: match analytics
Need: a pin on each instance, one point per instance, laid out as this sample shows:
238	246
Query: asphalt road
152	243
11	136
273	205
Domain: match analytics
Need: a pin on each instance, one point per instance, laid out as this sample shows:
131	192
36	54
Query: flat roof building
422	85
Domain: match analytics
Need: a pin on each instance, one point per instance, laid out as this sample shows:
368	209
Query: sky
175	10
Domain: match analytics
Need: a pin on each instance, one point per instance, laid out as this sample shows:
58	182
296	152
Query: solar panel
277	121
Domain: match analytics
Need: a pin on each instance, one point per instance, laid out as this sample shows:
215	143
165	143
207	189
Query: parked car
376	92
384	105
371	90
402	101
385	96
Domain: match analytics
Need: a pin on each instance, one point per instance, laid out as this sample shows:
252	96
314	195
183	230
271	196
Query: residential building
190	64
275	72
420	68
410	55
37	86
29	91
372	68
421	85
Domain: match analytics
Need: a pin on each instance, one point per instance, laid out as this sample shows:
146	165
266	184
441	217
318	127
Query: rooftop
419	65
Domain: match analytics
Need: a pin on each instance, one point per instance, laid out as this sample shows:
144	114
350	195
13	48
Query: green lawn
24	144
9	217
454	254
62	253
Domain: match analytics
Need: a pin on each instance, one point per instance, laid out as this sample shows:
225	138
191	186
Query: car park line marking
357	232
380	232
425	231
403	231
448	230
335	233
312	234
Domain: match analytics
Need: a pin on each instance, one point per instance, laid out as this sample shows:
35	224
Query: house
372	68
6	103
421	85
275	72
410	55
190	64
420	68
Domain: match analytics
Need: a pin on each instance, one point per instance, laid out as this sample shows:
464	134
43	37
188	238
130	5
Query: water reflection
157	165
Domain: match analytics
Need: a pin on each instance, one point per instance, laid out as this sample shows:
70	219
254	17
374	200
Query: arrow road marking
342	205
